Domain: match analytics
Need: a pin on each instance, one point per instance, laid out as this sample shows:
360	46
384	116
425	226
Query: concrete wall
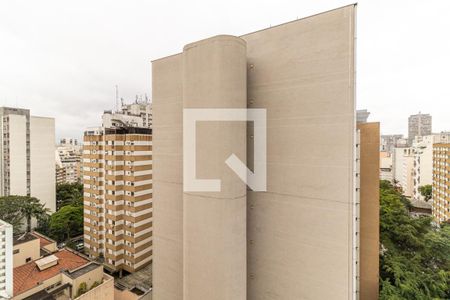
369	210
26	250
17	155
42	157
214	247
301	232
167	178
105	291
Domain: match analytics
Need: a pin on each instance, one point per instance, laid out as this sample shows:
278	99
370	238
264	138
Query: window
16	251
28	259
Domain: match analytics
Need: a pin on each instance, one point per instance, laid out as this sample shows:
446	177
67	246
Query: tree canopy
426	191
66	223
69	194
415	255
19	209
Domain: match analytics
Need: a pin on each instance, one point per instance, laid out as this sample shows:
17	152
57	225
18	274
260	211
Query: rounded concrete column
214	240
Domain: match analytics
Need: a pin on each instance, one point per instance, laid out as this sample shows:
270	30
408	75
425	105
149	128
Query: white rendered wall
18	155
6	233
42	153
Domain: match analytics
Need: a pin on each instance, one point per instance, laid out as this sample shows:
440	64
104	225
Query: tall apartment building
68	162
27	160
6	260
423	160
419	125
441	182
118	208
299	239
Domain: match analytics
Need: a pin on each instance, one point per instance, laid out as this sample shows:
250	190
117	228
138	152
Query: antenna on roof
117	97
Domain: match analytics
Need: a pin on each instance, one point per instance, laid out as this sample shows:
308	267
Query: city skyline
81	69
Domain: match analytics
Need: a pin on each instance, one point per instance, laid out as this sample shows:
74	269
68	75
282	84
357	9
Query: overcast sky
63	59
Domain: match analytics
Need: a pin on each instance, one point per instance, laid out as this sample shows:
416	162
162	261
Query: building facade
441	182
118	208
386	166
423	160
68	162
403	162
389	142
27	160
237	243
6	260
419	125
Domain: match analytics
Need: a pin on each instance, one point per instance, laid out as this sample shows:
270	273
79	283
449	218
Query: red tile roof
28	276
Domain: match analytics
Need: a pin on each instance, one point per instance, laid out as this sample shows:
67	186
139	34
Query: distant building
423	160
403	163
386	167
138	114
117	177
362	115
441	183
389	142
28	158
419	125
68	162
42	271
68	141
6	260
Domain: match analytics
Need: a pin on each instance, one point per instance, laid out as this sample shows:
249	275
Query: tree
66	223
82	289
69	193
14	209
415	261
31	207
426	191
10	212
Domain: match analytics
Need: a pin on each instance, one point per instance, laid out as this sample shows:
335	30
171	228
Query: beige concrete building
441	182
300	238
27	160
403	163
369	211
117	177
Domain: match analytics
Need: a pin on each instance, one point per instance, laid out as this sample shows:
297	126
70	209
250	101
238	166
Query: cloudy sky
64	58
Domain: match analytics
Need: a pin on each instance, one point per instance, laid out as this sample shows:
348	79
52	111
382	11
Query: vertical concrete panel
300	231
369	210
42	160
17	155
214	76
167	178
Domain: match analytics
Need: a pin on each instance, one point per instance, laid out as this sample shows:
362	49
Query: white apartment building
423	159
68	158
403	167
137	114
6	260
27	163
386	166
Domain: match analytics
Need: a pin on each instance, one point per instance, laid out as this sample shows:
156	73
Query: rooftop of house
29	276
23	238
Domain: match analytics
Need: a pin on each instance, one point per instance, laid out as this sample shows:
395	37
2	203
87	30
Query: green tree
69	194
30	208
66	223
415	256
13	208
426	191
10	212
